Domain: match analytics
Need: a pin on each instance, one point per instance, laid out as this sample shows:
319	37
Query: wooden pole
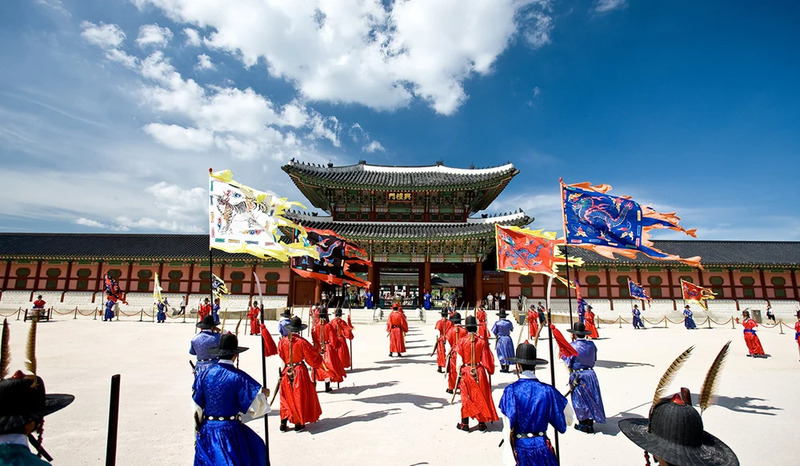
113	422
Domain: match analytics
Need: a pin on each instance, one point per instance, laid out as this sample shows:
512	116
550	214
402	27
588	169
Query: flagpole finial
210	170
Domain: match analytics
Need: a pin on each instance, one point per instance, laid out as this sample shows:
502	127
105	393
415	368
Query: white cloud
89	223
192	37
153	35
180	138
204	62
373	147
105	36
56	5
603	6
367	51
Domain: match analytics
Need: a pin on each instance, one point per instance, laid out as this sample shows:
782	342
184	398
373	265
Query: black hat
579	329
323	313
455	318
287	312
228	346
22	401
207	323
674	432
296	325
337	312
445	312
526	354
502	313
471	324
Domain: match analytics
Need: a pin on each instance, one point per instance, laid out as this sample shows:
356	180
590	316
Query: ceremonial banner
157	290
244	220
218	287
525	251
112	290
697	294
637	291
610	224
579	298
335	257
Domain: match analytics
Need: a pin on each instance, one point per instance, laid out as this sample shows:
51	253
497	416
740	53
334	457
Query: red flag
698	294
565	350
270	349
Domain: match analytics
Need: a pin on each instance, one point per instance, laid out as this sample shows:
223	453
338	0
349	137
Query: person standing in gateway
397	327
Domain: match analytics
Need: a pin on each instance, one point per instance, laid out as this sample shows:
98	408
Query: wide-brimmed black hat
471	324
455	318
502	313
207	323
579	329
21	402
296	325
338	312
323	313
228	346
444	312
674	432
526	354
287	312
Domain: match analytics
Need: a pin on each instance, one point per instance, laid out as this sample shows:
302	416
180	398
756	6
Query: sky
112	112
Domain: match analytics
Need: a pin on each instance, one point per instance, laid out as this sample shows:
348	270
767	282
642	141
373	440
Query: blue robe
161	316
505	346
109	314
223	390
282	326
530	406
637	320
368	297
586	399
427	303
688	320
215	313
19	454
200	344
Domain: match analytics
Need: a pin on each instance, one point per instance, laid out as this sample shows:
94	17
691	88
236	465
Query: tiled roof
362	175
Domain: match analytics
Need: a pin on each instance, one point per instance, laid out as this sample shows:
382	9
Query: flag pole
552	361
263	363
566	252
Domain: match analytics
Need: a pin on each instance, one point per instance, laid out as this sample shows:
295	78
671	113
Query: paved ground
394	411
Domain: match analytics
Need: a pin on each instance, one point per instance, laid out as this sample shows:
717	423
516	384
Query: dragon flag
697	294
335	255
157	290
244	220
610	224
637	291
112	290
527	251
218	287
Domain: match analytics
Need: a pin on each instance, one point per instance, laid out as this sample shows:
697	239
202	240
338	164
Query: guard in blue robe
161	315
215	310
109	313
505	346
368	298
287	319
202	344
585	389
528	407
225	398
688	319
637	317
427	303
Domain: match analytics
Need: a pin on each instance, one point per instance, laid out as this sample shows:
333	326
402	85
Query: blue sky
111	113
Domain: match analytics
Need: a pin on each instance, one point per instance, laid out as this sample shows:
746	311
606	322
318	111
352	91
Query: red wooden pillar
317	291
427	275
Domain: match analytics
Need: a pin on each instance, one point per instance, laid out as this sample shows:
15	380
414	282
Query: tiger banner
695	293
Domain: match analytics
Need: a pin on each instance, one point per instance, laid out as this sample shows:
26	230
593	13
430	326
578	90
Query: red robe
205	309
442	325
299	402
255	325
397	327
588	320
480	314
797	332
533	323
476	395
344	332
455	334
332	369
750	337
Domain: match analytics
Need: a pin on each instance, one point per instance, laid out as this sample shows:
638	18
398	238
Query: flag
527	251
637	291
112	290
244	220
610	224
579	298
697	294
335	256
270	349
218	287
565	350
157	290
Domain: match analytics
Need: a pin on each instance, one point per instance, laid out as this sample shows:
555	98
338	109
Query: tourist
161	314
502	302
253	312
489	301
533	322
286	320
397	327
528	406
184	303
590	325
752	341
324	337
344	332
688	319
637	317
584	387
202	344
225	398
505	347
453	336
442	326
299	401
476	390
770	314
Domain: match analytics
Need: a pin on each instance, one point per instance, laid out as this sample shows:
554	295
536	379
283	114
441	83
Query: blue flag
637	291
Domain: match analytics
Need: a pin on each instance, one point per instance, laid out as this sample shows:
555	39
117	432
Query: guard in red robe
299	402
476	390
797	331
533	322
397	326
589	323
324	336
442	326
750	338
344	332
453	336
253	314
205	310
483	330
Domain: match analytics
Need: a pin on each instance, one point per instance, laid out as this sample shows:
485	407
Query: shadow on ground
358	389
326	424
420	401
619	364
746	404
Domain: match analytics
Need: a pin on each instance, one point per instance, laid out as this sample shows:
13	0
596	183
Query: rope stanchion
18	310
141	314
619	319
665	322
781	324
96	311
75	317
708	321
